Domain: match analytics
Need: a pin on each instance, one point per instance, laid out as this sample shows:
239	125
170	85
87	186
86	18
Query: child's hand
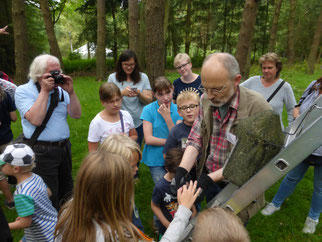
187	195
4	30
164	110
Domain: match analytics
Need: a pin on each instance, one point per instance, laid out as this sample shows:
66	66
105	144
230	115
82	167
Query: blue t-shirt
6	106
152	155
31	198
168	204
178	137
57	126
180	86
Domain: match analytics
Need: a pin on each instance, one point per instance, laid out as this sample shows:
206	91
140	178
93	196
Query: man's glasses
213	90
183	65
191	107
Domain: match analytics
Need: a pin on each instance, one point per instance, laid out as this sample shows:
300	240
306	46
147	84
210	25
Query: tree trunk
141	52
290	37
264	38
101	41
272	38
21	40
154	19
134	25
53	44
112	5
188	28
223	47
246	33
315	45
174	32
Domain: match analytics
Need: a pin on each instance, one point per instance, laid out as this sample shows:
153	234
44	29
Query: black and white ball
18	155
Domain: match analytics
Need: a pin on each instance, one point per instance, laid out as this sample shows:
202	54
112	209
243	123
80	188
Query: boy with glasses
187	80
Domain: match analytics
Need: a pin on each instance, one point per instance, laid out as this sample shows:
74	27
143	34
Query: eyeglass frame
213	90
185	108
129	65
183	65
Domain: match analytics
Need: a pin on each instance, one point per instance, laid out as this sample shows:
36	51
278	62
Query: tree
188	28
54	48
154	20
134	25
246	33
101	41
21	40
141	51
290	36
315	45
272	39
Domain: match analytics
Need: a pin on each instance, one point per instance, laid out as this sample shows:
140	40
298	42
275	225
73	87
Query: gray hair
39	65
229	62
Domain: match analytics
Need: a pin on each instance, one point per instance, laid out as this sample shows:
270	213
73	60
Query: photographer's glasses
192	107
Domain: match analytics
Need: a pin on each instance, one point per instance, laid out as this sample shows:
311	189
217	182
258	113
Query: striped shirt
31	198
219	146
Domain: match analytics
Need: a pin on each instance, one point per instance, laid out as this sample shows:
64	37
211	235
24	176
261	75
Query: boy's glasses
213	90
183	65
191	107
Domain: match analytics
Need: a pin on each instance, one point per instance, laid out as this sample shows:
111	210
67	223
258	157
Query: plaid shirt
218	142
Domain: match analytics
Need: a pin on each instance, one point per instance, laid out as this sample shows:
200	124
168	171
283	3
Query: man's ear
16	169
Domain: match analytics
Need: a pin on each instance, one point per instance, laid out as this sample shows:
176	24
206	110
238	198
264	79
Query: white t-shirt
99	129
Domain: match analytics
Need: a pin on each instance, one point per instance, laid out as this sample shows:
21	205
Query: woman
268	83
294	176
135	88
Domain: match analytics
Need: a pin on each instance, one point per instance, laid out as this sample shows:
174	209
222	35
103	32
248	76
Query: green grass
285	225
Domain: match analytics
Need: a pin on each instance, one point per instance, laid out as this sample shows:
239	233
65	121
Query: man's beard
220	102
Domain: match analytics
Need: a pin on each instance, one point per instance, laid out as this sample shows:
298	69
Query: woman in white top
270	80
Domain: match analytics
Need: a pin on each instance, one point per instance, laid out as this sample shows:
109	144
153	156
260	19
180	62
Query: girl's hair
104	193
272	57
120	74
187	96
39	65
179	58
108	90
121	145
172	159
221	224
161	84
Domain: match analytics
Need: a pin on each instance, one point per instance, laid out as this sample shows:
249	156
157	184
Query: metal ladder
303	136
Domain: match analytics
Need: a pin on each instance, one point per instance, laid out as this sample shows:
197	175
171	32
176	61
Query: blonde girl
111	119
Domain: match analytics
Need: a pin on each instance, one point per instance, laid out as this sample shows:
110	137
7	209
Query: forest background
157	30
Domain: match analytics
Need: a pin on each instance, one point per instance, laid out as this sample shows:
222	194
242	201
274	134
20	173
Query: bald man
223	104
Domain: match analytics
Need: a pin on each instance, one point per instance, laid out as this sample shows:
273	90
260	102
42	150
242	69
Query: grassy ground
285	225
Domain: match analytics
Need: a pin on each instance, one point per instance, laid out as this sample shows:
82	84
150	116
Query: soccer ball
18	155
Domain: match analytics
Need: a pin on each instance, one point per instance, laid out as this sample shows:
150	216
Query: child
36	214
187	80
111	119
102	204
7	114
220	225
158	118
188	108
130	151
164	205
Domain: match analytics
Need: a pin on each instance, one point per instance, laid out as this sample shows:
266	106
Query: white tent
92	48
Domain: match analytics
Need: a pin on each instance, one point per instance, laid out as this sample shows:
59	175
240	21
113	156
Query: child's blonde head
108	90
104	193
187	95
220	225
121	145
181	57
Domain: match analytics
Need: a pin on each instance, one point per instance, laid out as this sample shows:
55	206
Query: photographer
52	147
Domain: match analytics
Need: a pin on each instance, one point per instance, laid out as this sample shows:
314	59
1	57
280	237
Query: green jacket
250	103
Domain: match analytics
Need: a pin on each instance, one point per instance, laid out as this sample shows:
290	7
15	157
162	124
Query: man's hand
47	83
179	180
3	30
67	84
204	181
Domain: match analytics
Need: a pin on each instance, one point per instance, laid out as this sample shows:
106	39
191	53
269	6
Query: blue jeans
157	172
293	177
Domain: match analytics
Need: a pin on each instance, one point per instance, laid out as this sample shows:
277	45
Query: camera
59	79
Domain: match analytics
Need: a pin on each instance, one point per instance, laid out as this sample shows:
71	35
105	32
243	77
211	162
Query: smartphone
134	89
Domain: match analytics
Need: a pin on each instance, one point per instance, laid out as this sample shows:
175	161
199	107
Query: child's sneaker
310	225
9	205
270	209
